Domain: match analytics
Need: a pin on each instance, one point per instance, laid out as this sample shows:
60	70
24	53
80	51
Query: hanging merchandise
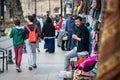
96	9
83	7
94	4
80	8
69	8
75	8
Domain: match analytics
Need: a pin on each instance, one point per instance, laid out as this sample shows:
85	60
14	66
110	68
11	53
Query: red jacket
57	28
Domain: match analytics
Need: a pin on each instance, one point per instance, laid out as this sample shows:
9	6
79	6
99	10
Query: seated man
82	36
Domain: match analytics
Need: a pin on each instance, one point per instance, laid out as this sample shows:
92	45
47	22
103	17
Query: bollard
10	61
73	65
73	68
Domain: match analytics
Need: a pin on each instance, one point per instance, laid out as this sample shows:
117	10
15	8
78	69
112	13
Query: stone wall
42	6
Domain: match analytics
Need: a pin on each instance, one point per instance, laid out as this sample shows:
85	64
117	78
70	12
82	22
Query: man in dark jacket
36	22
82	36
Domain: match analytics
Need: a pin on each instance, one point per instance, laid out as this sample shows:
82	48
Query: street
49	66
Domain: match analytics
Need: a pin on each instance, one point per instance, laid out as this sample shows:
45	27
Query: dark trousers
50	45
63	45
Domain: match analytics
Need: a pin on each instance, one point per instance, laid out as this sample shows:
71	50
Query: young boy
17	33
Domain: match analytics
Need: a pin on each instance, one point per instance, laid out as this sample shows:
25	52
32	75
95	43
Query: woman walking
48	32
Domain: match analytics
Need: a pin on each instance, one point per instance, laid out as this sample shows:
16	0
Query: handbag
65	37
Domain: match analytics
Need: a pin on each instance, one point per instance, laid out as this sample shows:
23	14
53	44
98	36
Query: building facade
42	6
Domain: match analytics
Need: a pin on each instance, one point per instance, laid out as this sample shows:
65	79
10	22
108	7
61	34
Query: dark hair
87	24
31	19
34	16
97	26
17	22
78	17
48	20
60	15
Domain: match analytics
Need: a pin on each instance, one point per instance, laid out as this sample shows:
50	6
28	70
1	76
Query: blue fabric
71	29
94	70
19	29
70	25
97	14
90	39
71	43
46	44
50	45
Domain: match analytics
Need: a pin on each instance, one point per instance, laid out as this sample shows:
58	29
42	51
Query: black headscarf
48	20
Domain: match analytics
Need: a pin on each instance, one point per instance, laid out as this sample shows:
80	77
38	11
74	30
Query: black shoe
19	70
46	51
30	68
68	49
38	49
63	49
35	66
58	45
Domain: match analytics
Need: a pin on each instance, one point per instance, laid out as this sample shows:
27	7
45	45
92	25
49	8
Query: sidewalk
49	66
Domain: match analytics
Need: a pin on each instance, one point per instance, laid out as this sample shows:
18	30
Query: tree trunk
16	11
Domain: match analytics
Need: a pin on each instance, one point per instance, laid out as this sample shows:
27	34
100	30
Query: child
17	33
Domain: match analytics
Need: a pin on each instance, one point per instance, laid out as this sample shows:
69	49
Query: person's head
97	26
78	21
60	16
34	16
30	19
69	14
87	24
17	22
74	16
48	20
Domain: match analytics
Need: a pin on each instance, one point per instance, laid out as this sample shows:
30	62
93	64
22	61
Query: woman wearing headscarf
48	33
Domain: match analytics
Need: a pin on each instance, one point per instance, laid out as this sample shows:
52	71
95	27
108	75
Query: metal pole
28	6
10	61
2	20
61	6
49	8
35	8
1	9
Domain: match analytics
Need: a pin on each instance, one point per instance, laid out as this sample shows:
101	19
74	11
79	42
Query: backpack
32	35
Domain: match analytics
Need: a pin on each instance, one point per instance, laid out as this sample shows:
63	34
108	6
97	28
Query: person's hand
66	32
74	36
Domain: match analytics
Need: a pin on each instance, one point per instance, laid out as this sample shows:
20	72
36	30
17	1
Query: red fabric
60	23
53	22
89	61
18	54
57	28
79	62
